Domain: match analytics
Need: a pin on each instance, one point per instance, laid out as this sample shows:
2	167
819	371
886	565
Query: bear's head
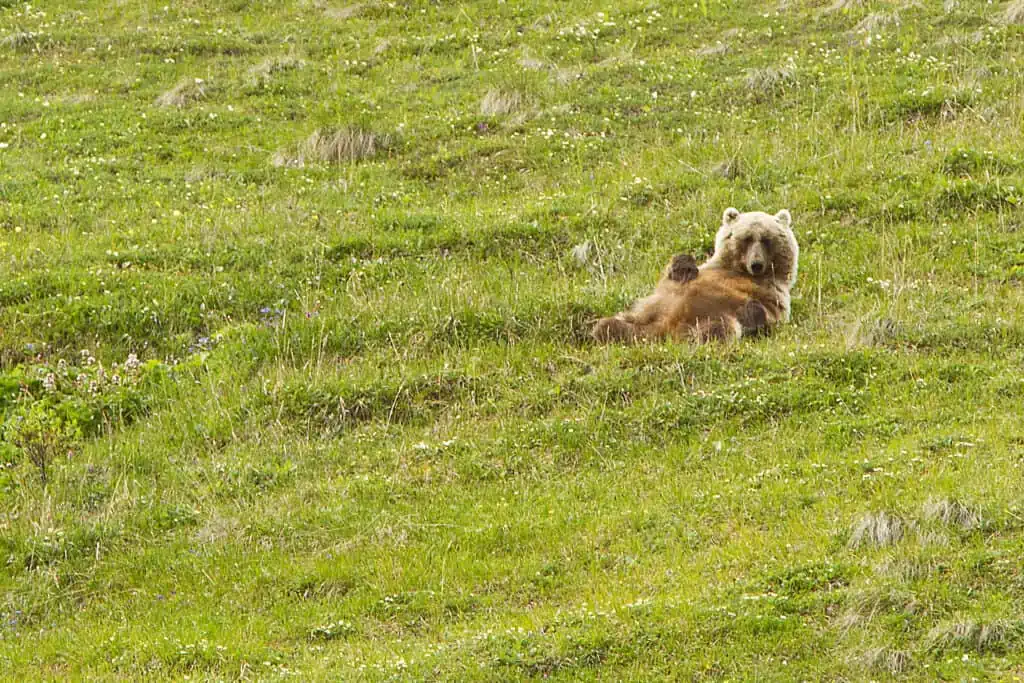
757	244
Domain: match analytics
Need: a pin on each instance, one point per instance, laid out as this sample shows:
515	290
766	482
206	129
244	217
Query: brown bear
743	289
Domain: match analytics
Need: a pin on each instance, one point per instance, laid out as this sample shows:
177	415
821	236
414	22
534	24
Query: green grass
364	434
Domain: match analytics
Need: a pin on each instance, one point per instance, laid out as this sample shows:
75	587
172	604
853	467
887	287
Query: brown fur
743	289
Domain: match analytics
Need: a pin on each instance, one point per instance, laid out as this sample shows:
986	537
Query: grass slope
353	251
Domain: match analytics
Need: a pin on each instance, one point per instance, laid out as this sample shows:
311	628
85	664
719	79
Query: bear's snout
757	260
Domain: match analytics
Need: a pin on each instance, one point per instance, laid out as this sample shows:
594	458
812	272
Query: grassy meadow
295	376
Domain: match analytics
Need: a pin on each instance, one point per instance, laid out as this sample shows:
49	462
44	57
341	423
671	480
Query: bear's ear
784	218
730	215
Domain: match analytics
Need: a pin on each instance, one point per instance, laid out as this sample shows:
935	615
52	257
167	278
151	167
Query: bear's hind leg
724	329
753	318
614	329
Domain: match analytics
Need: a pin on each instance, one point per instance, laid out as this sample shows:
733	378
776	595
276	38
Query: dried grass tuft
875	21
187	91
20	40
893	662
877	529
1014	13
770	80
342	13
869	332
264	72
716	50
334	146
952	512
982	637
531	63
501	102
843	6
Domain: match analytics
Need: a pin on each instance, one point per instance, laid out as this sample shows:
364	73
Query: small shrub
45	410
42	436
332	631
967	162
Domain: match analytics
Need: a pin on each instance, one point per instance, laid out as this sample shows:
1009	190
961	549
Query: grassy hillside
294	371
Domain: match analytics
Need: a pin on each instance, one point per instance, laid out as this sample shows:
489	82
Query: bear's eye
766	241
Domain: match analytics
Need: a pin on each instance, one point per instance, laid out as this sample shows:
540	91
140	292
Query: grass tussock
263	73
875	22
20	41
531	63
982	637
186	92
716	50
1014	13
870	332
952	512
501	102
334	146
878	529
843	6
770	80
729	169
884	660
343	13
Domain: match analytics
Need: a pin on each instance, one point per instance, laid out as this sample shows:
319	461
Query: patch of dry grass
770	80
531	63
877	529
978	636
730	169
20	40
843	6
1014	13
952	512
885	660
342	13
501	102
186	92
868	332
876	21
716	50
334	146
262	73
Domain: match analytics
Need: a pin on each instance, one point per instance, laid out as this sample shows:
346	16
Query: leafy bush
46	410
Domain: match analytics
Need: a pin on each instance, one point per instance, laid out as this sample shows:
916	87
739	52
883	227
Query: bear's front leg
614	329
682	268
753	318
